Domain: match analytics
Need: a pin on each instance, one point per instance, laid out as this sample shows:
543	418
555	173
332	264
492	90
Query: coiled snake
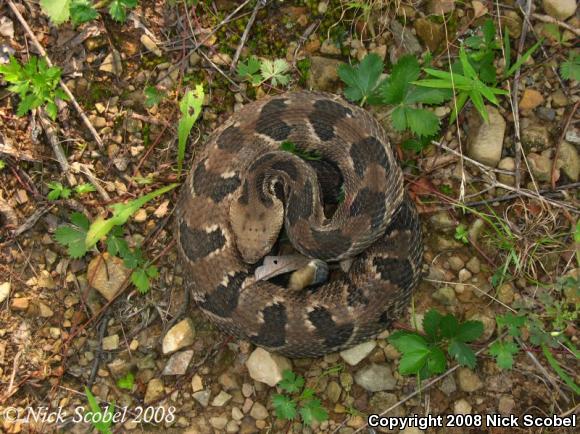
243	190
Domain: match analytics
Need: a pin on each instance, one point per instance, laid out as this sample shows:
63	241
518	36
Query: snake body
243	190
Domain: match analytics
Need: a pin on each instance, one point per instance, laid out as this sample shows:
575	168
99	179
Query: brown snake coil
243	189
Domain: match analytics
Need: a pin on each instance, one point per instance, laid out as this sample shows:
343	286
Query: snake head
256	227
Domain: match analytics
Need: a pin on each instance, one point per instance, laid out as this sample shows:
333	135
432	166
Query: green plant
190	107
362	80
153	96
424	356
84	188
258	71
127	381
35	83
570	69
467	86
103	420
461	233
58	191
308	405
81	235
82	11
2	164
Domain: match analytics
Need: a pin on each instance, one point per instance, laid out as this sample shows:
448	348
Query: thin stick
41	50
257	6
50	132
515	105
560	140
549	19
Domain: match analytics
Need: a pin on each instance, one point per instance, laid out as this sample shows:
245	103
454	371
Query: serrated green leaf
503	353
118	9
312	411
284	407
570	69
152	271
462	353
140	280
361	80
469	331
411	362
422	122
73	236
249	70
291	382
84	188
408	342
448	325
82	11
399	119
275	71
57	10
431	322
153	96
427	95
436	362
396	87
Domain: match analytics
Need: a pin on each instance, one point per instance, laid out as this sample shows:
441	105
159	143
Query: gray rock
541	165
202	397
178	363
380	401
375	378
568	161
323	73
546	113
111	342
468	380
560	9
573	136
535	137
6	27
266	367
506	405
486	138
4	291
474	265
346	381
442	221
112	64
507	163
108	273
455	263
448	385
258	411
438	7
155	390
329	47
179	336
432	34
221	399
405	41
505	293
333	391
354	355
218	422
462	407
559	99
445	295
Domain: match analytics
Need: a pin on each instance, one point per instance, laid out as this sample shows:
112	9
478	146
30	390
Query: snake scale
244	190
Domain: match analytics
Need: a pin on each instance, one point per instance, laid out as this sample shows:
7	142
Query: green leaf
190	107
503	353
422	122
291	382
312	411
121	213
73	236
249	70
570	69
411	362
140	280
57	191
523	59
51	110
361	80
449	326
431	322
57	10
512	322
84	189
118	9
462	353
395	88
427	95
82	11
469	331
127	381
102	427
275	71
556	367
489	32
116	244
152	271
399	118
436	362
406	342
153	96
284	407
